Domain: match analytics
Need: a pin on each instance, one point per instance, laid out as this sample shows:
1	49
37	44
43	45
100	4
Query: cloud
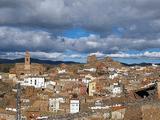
96	15
116	26
98	54
110	44
146	54
93	44
54	56
16	39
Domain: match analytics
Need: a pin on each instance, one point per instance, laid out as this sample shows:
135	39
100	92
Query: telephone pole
18	106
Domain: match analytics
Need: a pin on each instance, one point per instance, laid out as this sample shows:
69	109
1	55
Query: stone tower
91	59
27	61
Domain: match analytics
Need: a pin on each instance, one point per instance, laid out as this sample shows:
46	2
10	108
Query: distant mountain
33	60
139	64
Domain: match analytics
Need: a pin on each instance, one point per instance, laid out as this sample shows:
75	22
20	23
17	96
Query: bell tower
27	61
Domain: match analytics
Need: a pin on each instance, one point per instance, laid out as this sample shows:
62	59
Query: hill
33	60
7	64
139	64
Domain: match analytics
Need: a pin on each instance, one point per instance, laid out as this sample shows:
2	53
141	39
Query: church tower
27	61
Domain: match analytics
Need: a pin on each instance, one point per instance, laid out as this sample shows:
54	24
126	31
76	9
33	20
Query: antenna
18	106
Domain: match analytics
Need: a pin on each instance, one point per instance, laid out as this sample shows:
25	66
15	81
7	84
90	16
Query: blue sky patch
76	33
118	31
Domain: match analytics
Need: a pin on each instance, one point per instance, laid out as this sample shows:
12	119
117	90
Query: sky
70	30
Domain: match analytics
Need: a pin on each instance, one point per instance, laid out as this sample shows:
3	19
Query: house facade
74	106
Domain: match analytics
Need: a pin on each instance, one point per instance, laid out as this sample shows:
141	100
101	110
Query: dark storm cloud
111	44
15	39
98	15
138	19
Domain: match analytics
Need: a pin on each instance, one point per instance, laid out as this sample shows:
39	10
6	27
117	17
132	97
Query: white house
74	106
50	83
86	81
68	79
111	69
61	71
88	78
35	81
99	105
112	76
90	69
117	88
54	103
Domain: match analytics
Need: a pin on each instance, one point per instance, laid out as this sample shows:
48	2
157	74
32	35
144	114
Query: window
35	82
25	81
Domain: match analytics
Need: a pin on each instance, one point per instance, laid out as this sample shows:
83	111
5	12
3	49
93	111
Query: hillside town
101	89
